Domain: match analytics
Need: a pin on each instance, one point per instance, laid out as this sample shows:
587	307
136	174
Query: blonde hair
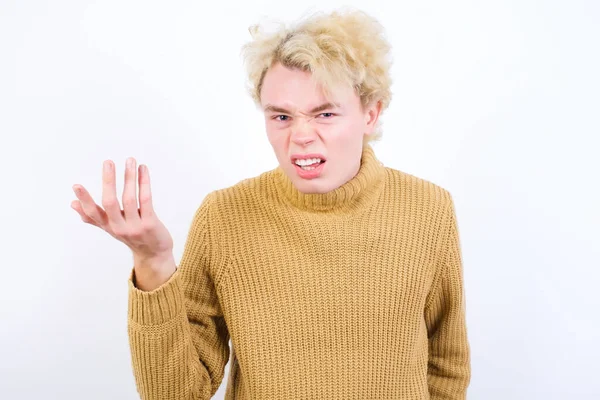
346	47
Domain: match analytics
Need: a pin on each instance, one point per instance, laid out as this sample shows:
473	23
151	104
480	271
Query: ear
372	112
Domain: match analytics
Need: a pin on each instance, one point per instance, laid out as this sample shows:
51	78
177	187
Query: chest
326	274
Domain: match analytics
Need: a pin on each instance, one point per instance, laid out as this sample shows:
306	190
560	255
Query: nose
302	132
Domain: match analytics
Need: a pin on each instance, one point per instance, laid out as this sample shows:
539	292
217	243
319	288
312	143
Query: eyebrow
324	106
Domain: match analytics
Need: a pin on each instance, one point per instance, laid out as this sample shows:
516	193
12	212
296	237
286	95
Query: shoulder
245	195
417	192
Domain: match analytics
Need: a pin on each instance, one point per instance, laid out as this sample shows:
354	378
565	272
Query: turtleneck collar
355	194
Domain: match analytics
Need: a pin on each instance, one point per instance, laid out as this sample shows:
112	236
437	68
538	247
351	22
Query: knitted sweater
352	294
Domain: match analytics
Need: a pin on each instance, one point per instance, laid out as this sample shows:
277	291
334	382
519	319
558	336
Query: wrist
154	262
150	273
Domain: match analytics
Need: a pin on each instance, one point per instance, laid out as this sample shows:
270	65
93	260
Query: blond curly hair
345	47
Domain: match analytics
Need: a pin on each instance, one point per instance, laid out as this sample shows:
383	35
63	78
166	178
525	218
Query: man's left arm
449	369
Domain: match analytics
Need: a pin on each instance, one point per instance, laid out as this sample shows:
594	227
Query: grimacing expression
299	120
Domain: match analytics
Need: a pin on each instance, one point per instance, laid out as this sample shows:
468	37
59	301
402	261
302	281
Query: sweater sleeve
449	370
178	338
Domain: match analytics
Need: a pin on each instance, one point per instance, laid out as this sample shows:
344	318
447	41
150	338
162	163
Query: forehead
296	89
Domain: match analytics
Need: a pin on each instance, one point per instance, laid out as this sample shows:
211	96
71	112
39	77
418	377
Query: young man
334	276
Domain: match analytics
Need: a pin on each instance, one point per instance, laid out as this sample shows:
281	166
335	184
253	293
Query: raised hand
139	228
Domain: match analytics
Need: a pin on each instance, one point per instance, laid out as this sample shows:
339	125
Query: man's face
297	126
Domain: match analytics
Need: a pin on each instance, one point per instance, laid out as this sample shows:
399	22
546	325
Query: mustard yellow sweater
352	294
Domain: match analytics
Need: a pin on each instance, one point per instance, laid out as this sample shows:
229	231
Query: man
334	276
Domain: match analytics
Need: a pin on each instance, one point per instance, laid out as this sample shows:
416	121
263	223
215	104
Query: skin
337	133
139	228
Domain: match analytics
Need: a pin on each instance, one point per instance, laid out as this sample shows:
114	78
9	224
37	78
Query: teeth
308	161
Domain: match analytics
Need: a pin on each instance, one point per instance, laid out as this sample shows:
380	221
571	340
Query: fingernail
129	162
107	166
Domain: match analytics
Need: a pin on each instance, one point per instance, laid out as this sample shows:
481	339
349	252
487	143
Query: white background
497	101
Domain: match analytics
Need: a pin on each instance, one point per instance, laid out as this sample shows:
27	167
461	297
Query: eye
328	113
276	118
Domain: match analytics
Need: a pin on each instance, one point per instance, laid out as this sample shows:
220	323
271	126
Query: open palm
139	228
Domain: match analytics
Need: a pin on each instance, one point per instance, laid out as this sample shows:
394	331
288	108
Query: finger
109	195
146	208
130	204
76	205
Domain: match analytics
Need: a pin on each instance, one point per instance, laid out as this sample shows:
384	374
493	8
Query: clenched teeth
308	161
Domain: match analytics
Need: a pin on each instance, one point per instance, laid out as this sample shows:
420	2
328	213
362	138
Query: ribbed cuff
156	306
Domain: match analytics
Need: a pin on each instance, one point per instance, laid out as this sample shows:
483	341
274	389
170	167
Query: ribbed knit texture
352	294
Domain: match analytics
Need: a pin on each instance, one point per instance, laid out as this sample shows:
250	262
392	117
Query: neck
353	195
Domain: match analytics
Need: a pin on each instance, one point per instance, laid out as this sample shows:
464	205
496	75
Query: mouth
310	165
313	169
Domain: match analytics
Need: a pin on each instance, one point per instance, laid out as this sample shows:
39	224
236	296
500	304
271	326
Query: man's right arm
178	338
